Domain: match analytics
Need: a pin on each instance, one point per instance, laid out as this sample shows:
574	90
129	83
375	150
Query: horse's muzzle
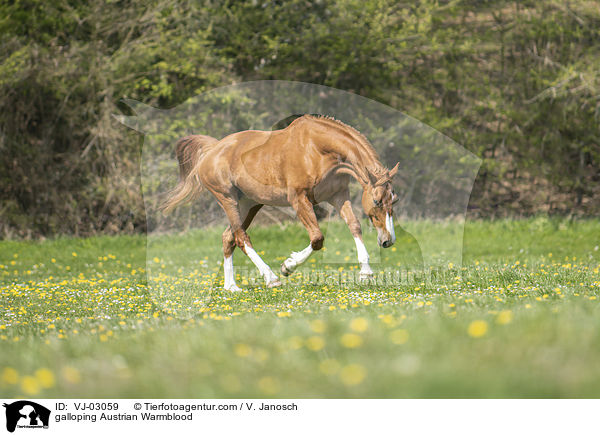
387	243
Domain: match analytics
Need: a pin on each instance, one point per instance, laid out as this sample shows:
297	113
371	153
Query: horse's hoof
275	283
233	288
285	271
366	276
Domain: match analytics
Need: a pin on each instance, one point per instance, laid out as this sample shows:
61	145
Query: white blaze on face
380	235
389	225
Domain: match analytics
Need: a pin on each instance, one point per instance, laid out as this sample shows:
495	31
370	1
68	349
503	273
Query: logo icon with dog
26	414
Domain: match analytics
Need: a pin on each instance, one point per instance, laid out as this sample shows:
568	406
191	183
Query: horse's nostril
386	244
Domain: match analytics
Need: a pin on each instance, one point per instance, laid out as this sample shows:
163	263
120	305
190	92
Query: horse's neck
358	154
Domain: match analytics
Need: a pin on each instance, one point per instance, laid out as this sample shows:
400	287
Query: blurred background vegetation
515	82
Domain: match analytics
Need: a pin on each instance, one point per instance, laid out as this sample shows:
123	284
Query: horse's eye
377	203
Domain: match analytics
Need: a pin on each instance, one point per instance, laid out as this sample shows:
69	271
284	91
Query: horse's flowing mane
368	161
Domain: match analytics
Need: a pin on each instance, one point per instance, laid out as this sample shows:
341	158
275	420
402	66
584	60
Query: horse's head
377	200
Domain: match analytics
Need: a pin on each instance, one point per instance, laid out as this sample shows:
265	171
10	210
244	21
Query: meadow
519	318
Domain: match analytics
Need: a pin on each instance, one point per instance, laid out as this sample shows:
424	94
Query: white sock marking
297	258
389	225
363	257
263	267
228	271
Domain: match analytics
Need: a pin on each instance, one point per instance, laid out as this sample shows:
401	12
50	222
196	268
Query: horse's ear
394	170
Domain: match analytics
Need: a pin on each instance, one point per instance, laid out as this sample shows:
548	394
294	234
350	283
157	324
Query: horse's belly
268	195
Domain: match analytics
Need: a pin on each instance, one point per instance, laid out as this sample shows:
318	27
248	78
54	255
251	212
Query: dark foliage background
515	82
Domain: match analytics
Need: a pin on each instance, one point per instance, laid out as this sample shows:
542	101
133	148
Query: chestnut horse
308	162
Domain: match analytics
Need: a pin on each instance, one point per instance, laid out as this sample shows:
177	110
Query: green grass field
520	318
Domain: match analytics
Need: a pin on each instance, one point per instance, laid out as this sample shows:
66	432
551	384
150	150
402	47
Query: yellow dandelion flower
351	340
315	343
317	326
10	376
45	377
477	328
353	374
71	375
30	386
360	324
268	385
388	319
242	350
504	317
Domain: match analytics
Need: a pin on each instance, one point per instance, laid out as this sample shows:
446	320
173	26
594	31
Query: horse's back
266	165
233	161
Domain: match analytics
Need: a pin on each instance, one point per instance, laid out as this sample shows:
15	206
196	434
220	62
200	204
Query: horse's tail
188	151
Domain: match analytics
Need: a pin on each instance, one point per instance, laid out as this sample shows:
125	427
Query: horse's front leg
306	213
243	241
295	259
344	207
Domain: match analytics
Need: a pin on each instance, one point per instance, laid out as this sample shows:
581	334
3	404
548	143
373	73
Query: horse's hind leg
229	247
241	239
306	214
